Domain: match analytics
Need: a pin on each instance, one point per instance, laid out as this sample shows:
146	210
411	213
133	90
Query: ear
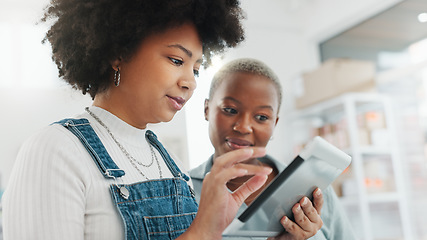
116	63
206	109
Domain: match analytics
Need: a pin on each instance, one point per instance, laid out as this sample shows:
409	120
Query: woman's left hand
307	219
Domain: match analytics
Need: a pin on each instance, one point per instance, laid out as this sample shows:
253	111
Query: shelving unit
372	190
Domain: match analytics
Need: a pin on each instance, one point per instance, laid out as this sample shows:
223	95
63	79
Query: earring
88	88
117	77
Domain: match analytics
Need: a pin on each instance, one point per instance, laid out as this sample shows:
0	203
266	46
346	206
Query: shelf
349	200
372	198
383	197
371	150
365	102
351	122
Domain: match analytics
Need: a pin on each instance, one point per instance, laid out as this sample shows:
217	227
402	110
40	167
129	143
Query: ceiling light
422	17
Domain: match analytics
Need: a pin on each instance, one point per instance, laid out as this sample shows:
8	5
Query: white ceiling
392	30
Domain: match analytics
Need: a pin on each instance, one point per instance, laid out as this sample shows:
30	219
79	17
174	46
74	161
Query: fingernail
304	201
318	192
285	220
299	208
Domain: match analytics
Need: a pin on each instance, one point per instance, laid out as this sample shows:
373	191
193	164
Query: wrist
197	231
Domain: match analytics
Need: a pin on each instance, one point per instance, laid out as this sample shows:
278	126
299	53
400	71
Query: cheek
216	137
222	123
264	134
219	126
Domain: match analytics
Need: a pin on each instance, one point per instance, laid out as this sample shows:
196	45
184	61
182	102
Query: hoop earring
117	77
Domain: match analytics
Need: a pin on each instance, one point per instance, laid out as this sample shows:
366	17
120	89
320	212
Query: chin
227	148
168	118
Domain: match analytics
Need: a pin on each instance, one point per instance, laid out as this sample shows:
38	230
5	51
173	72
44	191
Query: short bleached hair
245	65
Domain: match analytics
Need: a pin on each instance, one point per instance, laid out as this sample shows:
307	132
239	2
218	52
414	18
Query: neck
107	101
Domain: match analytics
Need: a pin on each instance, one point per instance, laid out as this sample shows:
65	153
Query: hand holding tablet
318	165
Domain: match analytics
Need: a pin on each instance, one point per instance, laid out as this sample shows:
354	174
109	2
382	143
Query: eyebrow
235	100
185	50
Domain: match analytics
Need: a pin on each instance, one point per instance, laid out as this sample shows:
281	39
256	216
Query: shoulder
197	175
199	172
51	137
47	137
179	163
53	147
52	155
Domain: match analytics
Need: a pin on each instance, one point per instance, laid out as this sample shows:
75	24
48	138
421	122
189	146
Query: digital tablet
317	165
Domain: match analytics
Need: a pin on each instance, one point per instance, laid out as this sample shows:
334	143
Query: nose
243	125
188	81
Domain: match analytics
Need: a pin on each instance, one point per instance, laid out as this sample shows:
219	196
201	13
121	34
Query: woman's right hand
218	206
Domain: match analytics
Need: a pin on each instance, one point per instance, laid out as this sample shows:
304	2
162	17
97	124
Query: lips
177	102
236	143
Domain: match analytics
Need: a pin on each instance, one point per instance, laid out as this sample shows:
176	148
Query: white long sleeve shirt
57	192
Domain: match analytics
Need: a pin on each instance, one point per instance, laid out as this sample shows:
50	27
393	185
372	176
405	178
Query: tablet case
318	165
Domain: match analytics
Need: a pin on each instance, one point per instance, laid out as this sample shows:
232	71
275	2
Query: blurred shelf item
362	125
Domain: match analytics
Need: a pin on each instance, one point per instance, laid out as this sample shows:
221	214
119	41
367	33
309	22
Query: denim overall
153	209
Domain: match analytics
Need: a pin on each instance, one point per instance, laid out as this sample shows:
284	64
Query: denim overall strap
87	136
159	209
152	139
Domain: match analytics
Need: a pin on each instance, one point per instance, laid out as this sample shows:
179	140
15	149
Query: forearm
196	231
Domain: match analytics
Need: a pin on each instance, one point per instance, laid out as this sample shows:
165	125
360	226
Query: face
242	112
158	80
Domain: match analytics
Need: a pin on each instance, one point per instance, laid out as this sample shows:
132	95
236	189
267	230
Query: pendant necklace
131	159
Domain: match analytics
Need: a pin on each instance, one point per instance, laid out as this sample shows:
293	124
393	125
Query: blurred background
353	72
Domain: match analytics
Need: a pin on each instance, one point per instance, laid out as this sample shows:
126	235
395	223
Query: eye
196	72
229	110
175	61
261	118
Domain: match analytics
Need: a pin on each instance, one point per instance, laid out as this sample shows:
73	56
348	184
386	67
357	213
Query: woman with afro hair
102	174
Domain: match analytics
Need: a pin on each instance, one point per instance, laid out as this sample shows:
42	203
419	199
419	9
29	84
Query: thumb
249	187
